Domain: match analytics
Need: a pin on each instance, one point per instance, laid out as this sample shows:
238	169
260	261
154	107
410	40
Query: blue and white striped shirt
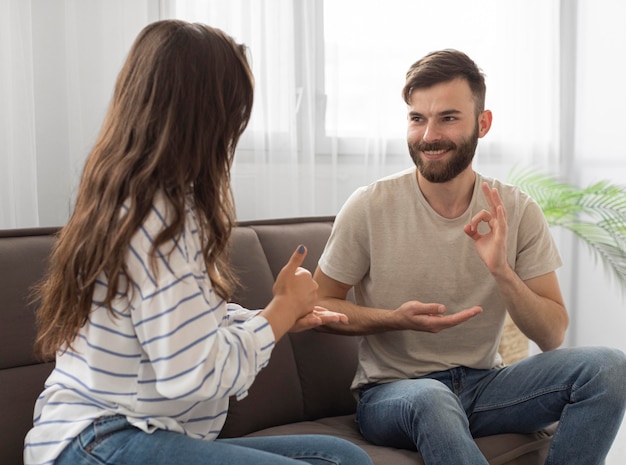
169	359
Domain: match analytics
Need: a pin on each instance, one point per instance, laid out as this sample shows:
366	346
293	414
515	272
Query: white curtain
58	62
274	172
598	309
328	116
18	167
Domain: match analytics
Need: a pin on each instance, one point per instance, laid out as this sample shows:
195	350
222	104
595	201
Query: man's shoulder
384	196
405	176
390	184
509	193
520	206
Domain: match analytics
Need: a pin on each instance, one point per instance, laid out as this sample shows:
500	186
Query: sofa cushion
344	427
280	242
274	399
23	255
326	364
19	388
509	449
276	396
249	264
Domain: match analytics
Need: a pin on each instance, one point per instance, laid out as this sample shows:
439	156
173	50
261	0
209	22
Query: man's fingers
442	322
489	195
329	317
493	197
420	308
463	315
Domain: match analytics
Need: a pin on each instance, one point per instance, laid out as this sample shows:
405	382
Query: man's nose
431	133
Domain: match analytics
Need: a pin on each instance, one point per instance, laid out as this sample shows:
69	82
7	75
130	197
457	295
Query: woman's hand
295	285
293	307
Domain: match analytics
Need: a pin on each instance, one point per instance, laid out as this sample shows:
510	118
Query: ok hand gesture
491	246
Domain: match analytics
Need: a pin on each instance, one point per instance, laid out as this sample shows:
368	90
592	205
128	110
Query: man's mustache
434	146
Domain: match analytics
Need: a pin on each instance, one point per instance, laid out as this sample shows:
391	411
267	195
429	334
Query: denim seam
315	457
533	395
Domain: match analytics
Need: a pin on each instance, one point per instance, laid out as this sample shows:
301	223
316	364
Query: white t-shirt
393	247
169	359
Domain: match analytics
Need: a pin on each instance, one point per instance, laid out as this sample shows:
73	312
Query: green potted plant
595	214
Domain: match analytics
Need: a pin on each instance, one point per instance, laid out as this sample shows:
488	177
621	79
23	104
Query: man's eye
449	118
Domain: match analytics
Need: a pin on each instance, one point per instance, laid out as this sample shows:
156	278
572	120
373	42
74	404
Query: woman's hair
445	66
181	102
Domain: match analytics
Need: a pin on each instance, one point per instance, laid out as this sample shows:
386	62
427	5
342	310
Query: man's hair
444	66
181	102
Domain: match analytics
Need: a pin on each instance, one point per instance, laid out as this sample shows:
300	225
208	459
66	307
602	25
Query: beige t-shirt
393	247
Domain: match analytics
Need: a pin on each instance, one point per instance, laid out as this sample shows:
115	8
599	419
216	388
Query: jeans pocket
101	430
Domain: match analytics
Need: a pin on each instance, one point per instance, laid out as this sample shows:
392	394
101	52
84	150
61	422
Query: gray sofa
304	389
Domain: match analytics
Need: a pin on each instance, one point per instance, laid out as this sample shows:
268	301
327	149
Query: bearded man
437	255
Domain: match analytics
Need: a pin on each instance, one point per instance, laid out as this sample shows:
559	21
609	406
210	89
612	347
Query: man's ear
484	122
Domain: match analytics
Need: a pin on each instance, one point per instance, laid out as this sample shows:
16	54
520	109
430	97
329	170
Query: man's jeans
584	389
113	441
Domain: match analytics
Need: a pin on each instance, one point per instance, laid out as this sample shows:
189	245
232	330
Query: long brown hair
181	102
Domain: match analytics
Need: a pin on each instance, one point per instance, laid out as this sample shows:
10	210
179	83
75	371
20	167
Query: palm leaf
595	214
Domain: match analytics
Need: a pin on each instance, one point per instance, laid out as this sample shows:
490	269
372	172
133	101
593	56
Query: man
437	255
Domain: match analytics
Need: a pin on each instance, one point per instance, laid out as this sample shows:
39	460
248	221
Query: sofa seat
510	449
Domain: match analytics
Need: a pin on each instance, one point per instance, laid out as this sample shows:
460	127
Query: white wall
598	307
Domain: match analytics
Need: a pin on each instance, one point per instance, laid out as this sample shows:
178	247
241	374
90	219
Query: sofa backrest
23	256
308	376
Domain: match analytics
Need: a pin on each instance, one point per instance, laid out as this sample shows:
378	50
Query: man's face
443	130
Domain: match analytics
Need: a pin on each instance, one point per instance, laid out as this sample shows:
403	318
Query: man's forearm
361	320
536	308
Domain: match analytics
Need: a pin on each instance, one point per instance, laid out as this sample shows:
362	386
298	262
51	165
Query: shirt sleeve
183	326
237	314
346	257
537	253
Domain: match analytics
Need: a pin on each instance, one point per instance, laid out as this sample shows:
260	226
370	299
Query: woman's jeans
584	389
113	441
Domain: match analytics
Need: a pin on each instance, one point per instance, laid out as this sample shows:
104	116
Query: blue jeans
584	389
113	441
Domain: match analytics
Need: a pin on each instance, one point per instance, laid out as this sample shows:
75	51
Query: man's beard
438	171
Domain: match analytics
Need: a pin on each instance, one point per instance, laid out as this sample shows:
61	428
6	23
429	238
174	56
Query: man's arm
412	315
535	305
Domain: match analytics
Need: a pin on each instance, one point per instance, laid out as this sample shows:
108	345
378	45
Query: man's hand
431	318
318	317
491	246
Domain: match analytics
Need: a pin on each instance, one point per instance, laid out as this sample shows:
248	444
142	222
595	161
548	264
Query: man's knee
414	401
611	366
400	413
602	370
414	392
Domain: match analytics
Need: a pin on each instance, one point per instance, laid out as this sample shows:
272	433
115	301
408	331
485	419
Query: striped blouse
168	359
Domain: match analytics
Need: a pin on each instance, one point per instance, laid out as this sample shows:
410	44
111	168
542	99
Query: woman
134	305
